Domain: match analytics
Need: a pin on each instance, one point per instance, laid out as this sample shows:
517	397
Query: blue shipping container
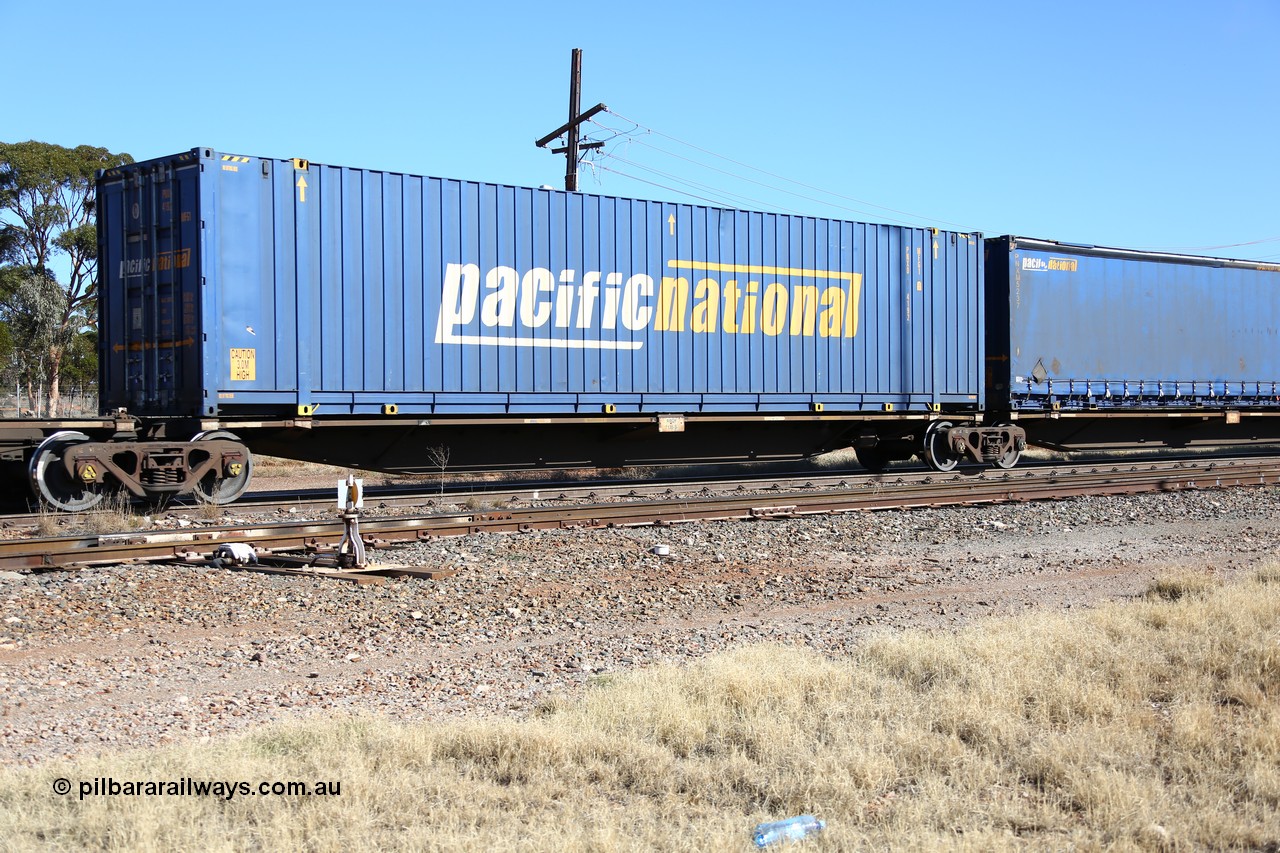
1091	327
241	285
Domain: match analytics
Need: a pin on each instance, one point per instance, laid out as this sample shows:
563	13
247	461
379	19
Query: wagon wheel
937	449
50	480
222	487
876	459
1010	457
873	459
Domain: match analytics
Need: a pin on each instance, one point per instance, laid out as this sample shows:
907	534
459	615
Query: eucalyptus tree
48	242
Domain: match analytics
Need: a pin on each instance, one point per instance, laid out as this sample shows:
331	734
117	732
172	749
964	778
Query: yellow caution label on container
244	364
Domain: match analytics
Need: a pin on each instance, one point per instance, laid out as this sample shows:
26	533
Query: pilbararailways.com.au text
188	787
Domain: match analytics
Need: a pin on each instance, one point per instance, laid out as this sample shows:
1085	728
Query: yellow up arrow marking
302	188
671	223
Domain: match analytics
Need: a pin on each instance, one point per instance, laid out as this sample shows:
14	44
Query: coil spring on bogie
160	476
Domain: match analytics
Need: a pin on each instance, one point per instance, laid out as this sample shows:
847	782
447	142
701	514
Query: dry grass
115	514
48	521
1149	725
274	466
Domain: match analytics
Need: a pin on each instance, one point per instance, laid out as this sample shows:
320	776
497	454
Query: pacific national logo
706	299
1034	264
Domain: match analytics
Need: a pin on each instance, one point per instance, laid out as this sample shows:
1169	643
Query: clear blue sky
1137	124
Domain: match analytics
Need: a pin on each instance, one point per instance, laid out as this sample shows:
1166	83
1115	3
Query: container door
150	322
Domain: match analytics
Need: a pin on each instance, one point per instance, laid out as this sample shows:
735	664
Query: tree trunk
55	376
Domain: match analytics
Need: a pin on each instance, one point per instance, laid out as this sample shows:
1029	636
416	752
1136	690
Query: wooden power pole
573	150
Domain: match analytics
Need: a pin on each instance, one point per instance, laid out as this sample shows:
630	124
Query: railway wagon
1093	347
401	323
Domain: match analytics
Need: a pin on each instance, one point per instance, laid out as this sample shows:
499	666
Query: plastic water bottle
791	829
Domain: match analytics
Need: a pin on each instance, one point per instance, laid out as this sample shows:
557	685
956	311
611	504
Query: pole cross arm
569	125
586	146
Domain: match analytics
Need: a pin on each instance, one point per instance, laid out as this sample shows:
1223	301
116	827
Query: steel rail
414	496
929	490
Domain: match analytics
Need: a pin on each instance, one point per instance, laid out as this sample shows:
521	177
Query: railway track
837	494
420	496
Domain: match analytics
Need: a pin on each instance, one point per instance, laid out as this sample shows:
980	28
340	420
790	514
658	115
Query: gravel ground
132	656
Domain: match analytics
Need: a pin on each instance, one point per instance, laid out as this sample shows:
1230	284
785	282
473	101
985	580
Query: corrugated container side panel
939	335
706	367
968	371
432	250
761	347
745	231
914	318
945	313
329	298
535	365
962	313
630	227
354	249
866	365
413	328
829	357
888	335
976	268
278	366
790	359
585	232
370	357
392	308
920	290
922	364
579	369
777	356
890	350
214	364
734	347
799	254
497	366
653	357
376	286
472	222
853	262
240	263
957	317
974	372
948	339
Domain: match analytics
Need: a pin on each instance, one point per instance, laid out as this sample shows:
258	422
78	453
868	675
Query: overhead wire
913	218
864	207
1275	239
700	185
619	172
771	204
719	198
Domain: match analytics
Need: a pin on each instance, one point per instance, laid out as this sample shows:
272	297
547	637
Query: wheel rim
1010	458
50	481
216	489
936	451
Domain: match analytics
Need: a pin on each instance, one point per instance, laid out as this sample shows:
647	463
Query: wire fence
73	402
